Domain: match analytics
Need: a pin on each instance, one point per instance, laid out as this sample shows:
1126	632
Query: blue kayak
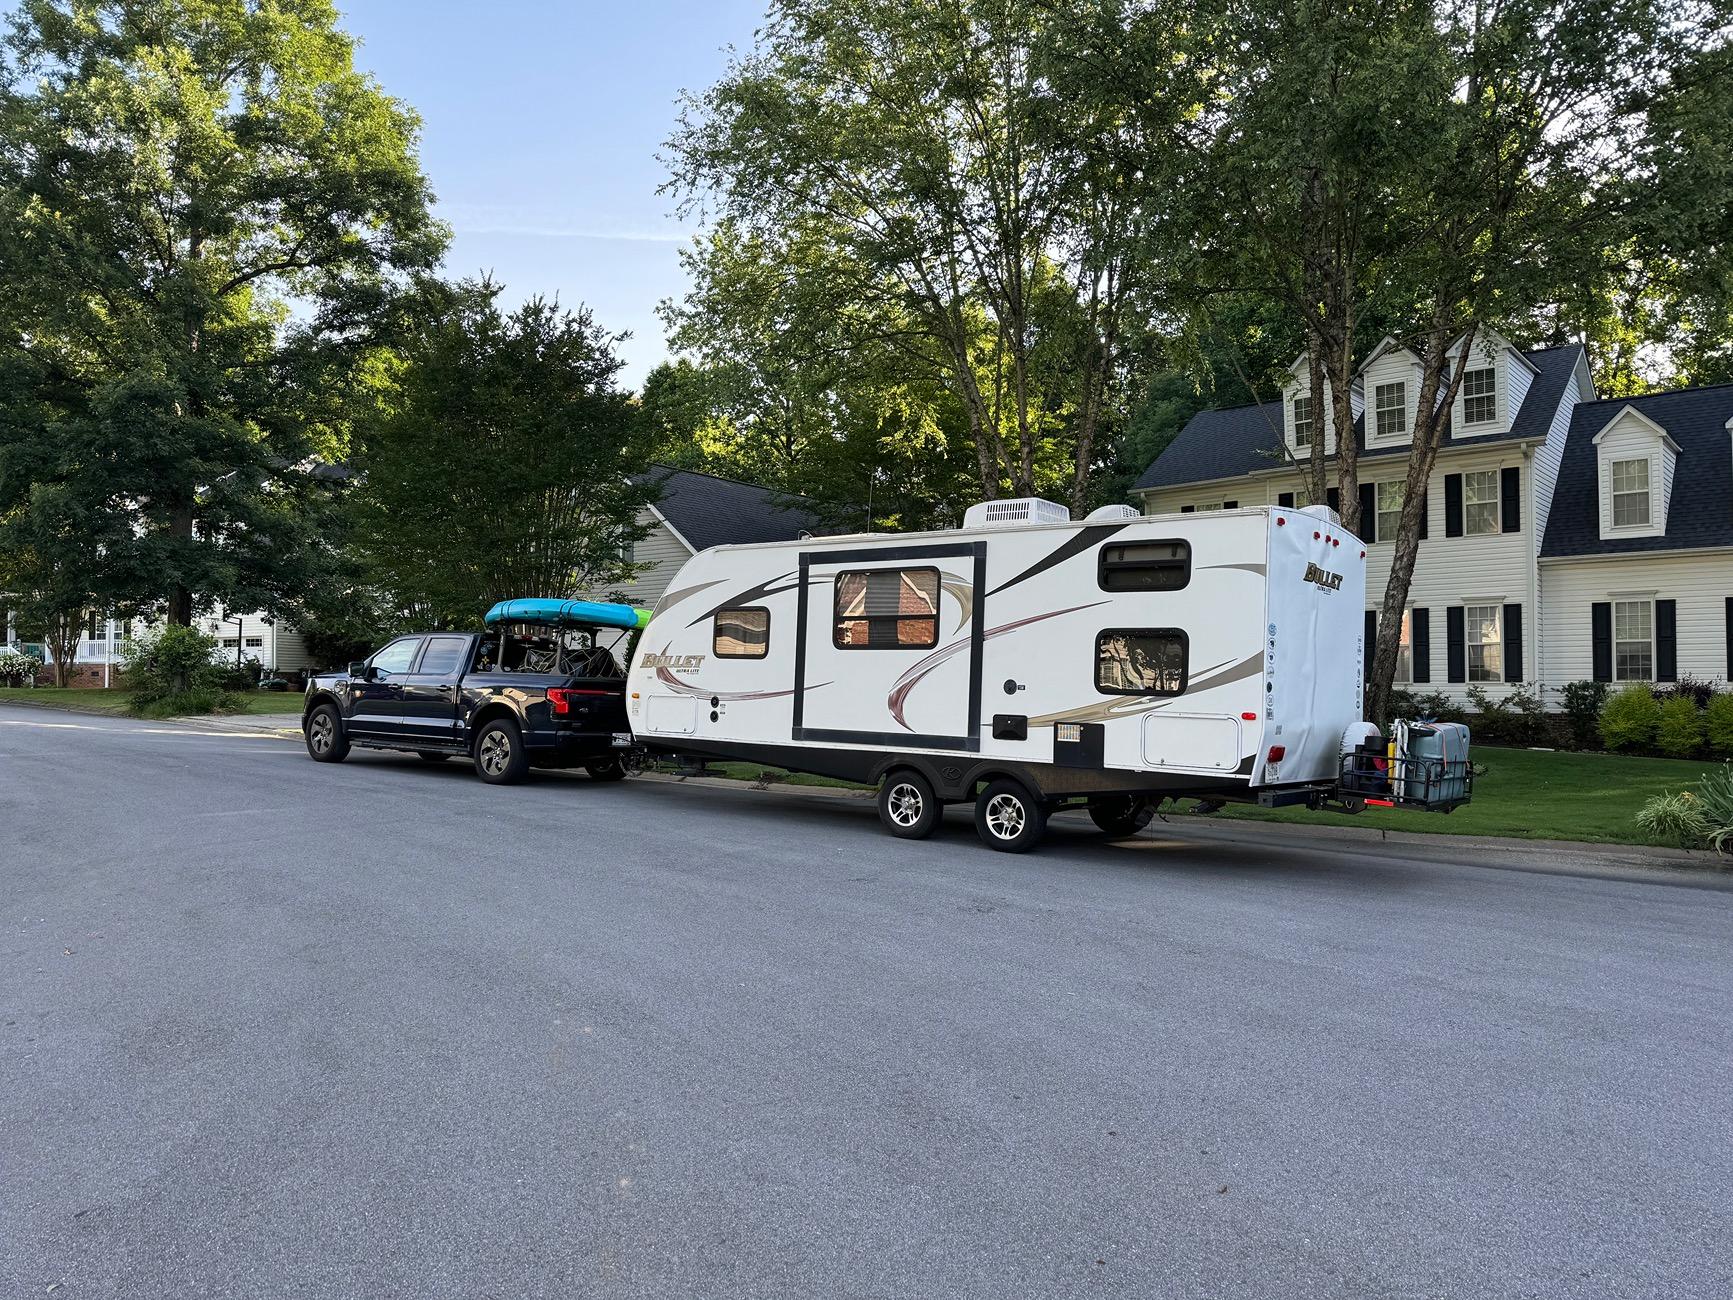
563	613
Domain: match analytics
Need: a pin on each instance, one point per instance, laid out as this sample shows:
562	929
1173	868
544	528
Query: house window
230	643
255	642
1405	649
1144	566
1480	502
1484	626
1480	396
1390	401
742	633
1303	421
1140	661
1631	493
1633	641
887	609
1390	497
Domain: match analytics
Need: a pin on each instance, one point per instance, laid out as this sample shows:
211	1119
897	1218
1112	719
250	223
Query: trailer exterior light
1277	753
1249	717
1316	536
1280	522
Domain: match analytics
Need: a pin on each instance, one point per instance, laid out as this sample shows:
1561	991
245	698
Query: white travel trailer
1024	662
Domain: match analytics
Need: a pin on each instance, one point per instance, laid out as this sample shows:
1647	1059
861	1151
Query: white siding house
1558	528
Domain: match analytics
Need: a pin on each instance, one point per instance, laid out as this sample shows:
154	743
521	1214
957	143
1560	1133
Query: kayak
562	613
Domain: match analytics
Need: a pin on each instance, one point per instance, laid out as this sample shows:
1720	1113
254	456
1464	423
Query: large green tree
501	464
204	208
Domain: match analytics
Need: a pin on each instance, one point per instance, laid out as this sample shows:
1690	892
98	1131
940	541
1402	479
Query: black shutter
1420	627
1510	492
1425	510
1285	499
1455	645
1333	499
1230	505
1186	510
1666	640
1368	513
1601	631
1453	505
1371	633
1730	638
1513	643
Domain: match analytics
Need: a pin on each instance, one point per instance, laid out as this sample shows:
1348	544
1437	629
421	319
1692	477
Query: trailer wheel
500	758
1009	818
908	806
1122	814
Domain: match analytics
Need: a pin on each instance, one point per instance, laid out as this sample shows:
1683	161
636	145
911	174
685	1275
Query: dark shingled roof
1245	439
709	511
1701	510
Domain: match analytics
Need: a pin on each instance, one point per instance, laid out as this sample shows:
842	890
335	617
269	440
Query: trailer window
1141	661
887	609
1145	566
742	633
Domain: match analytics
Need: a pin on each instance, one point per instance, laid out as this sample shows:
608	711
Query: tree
204	208
502	463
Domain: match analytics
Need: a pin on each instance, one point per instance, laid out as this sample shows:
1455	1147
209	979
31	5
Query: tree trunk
63	635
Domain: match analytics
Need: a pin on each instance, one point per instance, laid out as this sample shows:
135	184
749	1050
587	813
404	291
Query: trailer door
888	648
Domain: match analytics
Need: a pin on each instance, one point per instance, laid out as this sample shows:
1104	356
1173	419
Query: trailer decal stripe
1074	545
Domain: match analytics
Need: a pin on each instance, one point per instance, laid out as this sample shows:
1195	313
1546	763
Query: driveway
270	1028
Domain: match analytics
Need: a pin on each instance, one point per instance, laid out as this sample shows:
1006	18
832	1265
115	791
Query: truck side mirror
358	669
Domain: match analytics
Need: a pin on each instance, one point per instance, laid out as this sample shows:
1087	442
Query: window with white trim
1480	502
1304	424
1405	649
1630	483
1483	626
1480	396
1390	404
1633	640
1390	498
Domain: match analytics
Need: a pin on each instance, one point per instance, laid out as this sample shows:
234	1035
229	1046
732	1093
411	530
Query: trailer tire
1121	815
908	805
323	731
1009	818
500	757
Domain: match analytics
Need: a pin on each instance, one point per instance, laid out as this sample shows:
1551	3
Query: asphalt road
275	1029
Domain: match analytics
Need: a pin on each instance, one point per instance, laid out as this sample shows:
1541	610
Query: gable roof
1245	439
708	511
1701	510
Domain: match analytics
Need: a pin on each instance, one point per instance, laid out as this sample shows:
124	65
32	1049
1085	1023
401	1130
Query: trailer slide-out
1024	662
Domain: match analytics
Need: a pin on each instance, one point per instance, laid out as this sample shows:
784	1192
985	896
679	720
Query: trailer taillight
1277	754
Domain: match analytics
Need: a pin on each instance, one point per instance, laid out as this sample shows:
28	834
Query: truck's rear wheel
432	755
611	769
323	730
500	757
1009	818
908	807
1122	814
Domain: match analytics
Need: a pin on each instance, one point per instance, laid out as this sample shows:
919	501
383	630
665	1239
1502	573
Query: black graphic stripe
1075	545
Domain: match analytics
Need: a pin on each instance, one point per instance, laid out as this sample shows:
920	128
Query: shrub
1518	719
1718	725
243	676
16	668
1715	806
1435	706
1695	689
173	661
1675	819
200	699
1630	718
1582	703
1680	731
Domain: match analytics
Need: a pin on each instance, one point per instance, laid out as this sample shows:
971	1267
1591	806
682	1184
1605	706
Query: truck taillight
1277	753
560	698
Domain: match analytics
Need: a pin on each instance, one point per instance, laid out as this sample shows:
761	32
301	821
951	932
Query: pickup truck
506	700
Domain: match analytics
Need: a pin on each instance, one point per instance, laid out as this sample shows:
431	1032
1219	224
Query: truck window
395	659
1144	566
742	633
443	654
887	609
1141	661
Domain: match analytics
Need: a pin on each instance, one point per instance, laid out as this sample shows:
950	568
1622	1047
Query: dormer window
1390	403
1304	424
1630	482
1480	396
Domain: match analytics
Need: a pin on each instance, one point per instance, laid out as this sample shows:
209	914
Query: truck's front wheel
323	730
500	758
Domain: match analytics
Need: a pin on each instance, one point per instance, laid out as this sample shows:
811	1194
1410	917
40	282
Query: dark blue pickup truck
506	699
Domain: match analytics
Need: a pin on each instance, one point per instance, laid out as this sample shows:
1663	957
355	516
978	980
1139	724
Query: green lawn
99	701
1528	794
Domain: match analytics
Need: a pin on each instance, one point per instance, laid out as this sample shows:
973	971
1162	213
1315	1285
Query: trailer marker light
1362	555
1277	754
1335	541
1316	536
1280	522
1249	717
1379	803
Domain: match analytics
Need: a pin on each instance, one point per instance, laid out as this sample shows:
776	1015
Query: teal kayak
560	613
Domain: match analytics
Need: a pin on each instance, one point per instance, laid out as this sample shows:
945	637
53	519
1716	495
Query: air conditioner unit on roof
1017	510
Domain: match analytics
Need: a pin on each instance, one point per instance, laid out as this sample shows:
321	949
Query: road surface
279	1029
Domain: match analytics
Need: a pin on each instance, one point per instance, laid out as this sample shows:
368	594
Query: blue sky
541	122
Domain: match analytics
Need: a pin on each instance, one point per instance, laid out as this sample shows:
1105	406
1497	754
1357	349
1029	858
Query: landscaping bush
1518	719
1695	689
1675	819
1630	718
174	671
18	669
1718	725
1583	702
1679	733
1715	806
243	676
1435	706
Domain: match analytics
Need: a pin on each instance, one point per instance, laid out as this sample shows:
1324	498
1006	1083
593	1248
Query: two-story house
1564	537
